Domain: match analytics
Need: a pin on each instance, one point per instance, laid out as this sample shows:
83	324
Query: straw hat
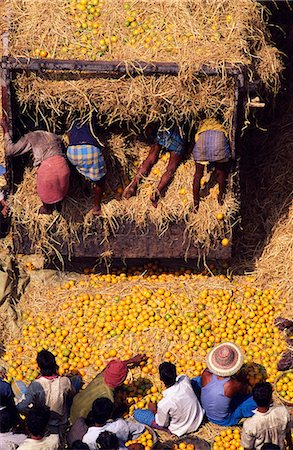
225	359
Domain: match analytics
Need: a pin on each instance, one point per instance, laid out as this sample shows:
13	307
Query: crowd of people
55	412
210	146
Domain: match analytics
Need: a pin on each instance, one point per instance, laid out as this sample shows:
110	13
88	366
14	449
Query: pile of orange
146	439
228	439
96	318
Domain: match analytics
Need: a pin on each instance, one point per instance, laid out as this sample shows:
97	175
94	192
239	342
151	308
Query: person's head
167	373
270	447
115	373
47	363
77	445
107	441
5	421
225	360
262	394
102	409
37	420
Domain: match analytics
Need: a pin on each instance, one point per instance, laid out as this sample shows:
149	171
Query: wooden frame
147	244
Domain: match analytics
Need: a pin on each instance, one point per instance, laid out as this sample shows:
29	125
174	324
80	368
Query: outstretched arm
19	148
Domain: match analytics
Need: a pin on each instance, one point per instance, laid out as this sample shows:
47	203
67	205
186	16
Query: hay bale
188	32
135	101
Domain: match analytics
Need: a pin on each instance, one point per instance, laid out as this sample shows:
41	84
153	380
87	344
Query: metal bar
107	68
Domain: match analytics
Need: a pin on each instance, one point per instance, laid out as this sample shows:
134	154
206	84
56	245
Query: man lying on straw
85	154
167	141
211	146
53	171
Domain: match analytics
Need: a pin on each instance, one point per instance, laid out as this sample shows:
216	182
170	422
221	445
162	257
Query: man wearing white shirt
179	410
100	415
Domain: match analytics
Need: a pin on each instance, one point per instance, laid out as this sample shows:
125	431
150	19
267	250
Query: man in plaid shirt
86	155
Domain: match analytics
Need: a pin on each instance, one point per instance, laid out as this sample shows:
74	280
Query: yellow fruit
225	242
43	53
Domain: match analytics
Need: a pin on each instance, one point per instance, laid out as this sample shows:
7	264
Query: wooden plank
129	242
108	68
7	107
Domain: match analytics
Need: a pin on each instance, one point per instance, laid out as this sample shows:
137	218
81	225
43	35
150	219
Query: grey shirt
43	144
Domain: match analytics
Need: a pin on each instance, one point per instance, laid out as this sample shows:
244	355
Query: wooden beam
108	68
7	107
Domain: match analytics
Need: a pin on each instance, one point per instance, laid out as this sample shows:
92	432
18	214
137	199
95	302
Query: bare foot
44	210
129	191
155	197
96	211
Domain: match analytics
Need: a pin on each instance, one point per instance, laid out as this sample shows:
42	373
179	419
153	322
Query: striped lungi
53	179
212	145
88	160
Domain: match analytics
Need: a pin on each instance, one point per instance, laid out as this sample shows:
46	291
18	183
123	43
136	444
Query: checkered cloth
171	141
144	416
211	146
88	160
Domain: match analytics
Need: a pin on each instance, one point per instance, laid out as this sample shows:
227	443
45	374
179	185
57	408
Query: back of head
270	447
167	373
5	421
107	441
115	373
47	363
102	409
37	420
77	445
262	394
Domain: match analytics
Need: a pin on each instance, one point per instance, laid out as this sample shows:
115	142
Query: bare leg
46	209
199	168
143	171
167	177
99	189
222	170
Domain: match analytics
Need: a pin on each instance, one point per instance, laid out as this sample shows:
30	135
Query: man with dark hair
101	417
37	422
8	439
108	441
179	411
270	423
49	390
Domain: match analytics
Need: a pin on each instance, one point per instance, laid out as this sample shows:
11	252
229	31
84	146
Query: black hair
167	373
108	441
37	420
47	363
270	447
79	445
5	421
102	409
262	394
